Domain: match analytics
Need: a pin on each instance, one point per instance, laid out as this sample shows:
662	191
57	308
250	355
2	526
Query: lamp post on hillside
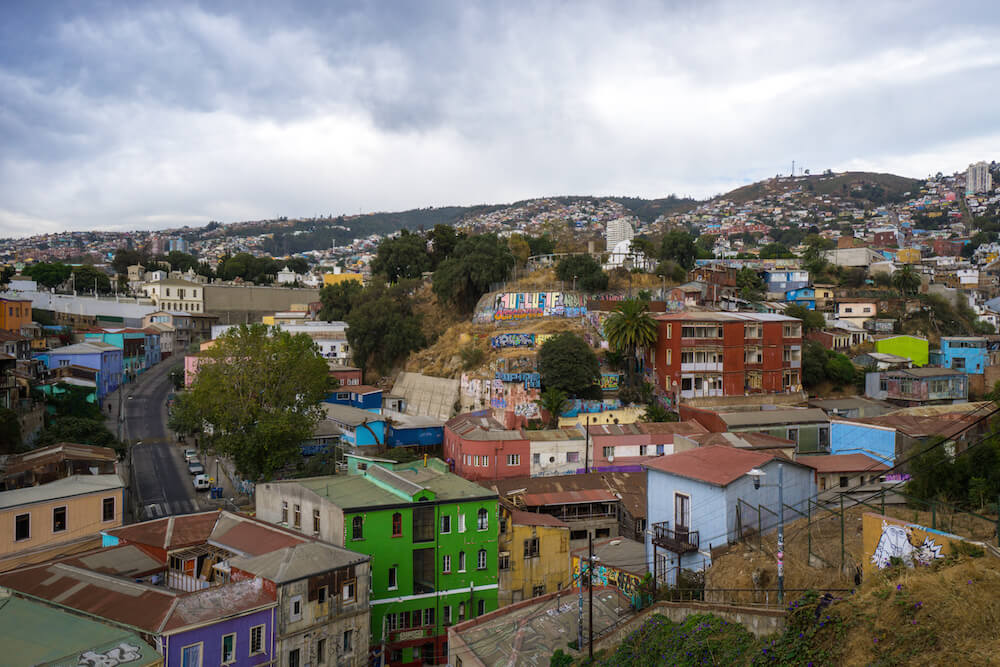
757	474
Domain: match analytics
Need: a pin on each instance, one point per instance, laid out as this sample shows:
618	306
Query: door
682	516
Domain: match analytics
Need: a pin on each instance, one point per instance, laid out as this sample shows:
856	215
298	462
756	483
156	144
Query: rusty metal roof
569	497
63	451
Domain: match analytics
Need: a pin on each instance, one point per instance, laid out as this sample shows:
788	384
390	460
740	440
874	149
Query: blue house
415	431
782	281
850	437
361	396
692	499
359	428
102	357
803	296
965	353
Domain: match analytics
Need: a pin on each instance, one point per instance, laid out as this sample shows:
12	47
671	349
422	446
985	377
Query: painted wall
210	639
604	575
885	538
850	437
962	356
809	438
84	517
422	436
270	496
549	569
14	314
912	347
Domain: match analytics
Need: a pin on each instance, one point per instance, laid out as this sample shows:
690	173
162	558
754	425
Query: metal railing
679	540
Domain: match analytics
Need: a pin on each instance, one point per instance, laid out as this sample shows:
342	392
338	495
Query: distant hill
866	187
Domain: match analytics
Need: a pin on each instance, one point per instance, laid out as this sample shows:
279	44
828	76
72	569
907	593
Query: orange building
14	314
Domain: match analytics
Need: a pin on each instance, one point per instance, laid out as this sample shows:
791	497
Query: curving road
161	478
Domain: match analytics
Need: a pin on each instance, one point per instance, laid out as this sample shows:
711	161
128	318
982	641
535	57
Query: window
461	611
670	330
482	519
642	450
321	652
293	658
793	435
447	614
536	458
228	649
392	578
191	655
824	436
792	330
482	608
461	523
669	356
578	534
429	616
397	525
602	532
446	564
481	560
108	509
867	309
349	591
531	547
295	608
848	310
461	561
347	643
22	527
297	517
445	524
843	482
504	562
513	459
572	457
537	590
608	452
357	528
58	519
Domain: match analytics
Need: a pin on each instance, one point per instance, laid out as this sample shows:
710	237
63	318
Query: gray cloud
143	117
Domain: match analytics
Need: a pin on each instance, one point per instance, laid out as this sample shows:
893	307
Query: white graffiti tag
120	654
895	543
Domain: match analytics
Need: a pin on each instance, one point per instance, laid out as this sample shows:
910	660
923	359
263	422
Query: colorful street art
610	381
603	575
508	340
577	406
529	380
526	305
886	539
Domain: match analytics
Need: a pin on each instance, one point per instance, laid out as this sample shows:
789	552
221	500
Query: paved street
163	484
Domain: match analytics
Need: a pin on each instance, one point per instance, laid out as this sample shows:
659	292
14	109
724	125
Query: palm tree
906	279
628	329
552	401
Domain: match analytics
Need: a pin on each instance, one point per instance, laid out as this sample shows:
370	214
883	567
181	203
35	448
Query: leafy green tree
750	283
671	270
338	299
644	246
443	240
181	261
476	263
628	329
247	267
404	256
657	413
813	363
297	264
567	363
775	251
519	248
584	271
812	258
811	320
259	389
906	280
552	401
125	258
839	369
86	278
382	328
81	430
10	431
49	275
541	245
679	246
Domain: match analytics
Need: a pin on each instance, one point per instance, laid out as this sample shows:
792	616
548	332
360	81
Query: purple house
96	355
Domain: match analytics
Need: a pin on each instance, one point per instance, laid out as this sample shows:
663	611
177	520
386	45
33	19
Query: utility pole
781	537
586	446
579	625
590	583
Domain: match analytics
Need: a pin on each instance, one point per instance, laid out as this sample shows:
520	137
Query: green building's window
357	528
397	525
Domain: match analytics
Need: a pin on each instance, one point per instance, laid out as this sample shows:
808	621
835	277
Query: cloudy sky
129	115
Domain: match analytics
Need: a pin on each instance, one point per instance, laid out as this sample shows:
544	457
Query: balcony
680	540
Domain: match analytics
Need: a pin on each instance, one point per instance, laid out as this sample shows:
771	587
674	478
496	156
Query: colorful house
104	358
133	343
965	353
432	537
914	348
359	428
802	296
362	396
534	554
15	314
919	386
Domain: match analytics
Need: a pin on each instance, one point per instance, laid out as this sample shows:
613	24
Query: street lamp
756	474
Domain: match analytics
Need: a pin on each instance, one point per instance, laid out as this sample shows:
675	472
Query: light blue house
965	353
850	437
359	396
104	358
693	502
803	296
359	428
782	281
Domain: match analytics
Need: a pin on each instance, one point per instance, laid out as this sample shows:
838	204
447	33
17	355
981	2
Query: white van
201	483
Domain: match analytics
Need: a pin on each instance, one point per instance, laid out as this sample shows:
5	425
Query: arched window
397	524
357	528
483	519
481	560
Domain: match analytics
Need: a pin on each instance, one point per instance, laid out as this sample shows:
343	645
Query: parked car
190	454
195	467
201	483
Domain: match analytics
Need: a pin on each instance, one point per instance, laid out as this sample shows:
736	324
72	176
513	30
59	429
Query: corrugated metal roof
299	561
522	518
715	464
62	451
833	463
569	497
74	485
765	417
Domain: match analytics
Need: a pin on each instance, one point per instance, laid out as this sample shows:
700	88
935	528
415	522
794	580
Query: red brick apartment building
727	354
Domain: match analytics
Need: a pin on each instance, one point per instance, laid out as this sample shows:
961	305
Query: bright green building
915	348
432	536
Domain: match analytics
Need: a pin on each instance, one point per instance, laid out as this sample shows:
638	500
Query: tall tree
476	263
567	363
750	283
679	246
811	320
584	271
259	388
339	299
382	328
906	280
49	275
628	329
775	251
552	401
404	256
443	240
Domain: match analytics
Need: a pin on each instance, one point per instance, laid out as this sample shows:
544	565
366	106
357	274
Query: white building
617	231
978	178
176	295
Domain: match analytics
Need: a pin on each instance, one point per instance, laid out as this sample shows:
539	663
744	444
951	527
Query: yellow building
534	555
58	517
336	278
908	255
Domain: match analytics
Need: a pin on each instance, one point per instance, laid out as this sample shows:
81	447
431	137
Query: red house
726	354
478	447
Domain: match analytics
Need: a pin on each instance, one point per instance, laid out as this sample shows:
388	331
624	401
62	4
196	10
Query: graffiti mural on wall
576	406
610	381
514	364
529	380
888	540
526	305
513	340
602	575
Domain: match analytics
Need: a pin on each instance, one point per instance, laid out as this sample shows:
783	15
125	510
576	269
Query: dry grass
736	567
